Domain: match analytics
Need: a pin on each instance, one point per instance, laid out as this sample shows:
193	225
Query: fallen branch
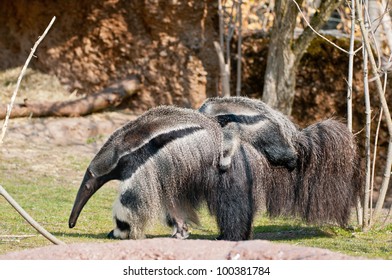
15	238
109	98
11	236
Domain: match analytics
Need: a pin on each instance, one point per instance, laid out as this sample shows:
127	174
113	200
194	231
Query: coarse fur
241	191
166	161
327	178
268	130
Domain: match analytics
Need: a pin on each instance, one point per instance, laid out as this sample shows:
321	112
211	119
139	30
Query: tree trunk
279	77
285	52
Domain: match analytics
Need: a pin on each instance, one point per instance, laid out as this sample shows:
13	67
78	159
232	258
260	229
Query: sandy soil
174	249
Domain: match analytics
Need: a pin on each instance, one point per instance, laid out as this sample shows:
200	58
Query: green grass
375	243
48	195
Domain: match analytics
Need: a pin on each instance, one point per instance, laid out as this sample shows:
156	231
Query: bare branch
376	137
349	94
350	69
317	21
9	108
367	203
3	192
369	26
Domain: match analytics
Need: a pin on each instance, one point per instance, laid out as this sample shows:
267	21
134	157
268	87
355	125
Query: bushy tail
327	181
329	176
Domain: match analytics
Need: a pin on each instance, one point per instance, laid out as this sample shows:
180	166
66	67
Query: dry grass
35	86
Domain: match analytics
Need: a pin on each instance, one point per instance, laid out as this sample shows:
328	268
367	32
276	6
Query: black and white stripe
268	130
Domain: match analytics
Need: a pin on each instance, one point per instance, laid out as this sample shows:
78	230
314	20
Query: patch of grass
50	205
78	164
372	244
95	139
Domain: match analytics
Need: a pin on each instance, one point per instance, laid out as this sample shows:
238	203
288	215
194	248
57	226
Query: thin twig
229	36
317	33
368	24
350	70
350	94
366	204
376	137
3	192
8	236
15	238
9	107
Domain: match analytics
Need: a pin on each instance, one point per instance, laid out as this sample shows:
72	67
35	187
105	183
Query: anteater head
89	186
268	130
104	167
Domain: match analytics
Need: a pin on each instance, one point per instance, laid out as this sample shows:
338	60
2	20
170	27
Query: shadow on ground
286	232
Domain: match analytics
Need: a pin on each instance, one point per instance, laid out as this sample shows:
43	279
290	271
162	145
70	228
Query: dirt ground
174	249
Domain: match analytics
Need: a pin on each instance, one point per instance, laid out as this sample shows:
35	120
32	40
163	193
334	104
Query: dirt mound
174	249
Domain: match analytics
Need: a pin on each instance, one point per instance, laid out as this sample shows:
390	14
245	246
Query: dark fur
238	194
327	178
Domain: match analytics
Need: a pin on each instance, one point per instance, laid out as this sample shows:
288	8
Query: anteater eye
88	186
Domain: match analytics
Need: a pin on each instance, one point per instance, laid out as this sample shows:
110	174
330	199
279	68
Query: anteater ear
104	161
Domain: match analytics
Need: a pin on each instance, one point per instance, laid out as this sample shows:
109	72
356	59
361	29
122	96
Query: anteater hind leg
178	217
180	228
